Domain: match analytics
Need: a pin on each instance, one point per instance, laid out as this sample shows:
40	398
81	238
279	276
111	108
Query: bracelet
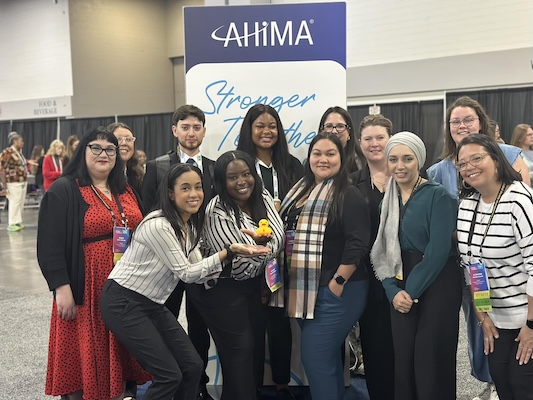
230	254
479	323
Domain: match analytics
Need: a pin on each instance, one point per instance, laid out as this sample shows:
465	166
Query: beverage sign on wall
289	56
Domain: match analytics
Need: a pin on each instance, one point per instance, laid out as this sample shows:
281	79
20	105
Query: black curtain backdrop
508	107
153	132
425	119
154	135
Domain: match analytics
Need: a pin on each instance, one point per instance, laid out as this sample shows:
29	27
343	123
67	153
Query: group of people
46	168
356	233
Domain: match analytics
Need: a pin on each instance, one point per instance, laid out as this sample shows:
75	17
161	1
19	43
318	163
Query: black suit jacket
151	182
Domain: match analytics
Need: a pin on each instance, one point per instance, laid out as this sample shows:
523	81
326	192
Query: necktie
192	162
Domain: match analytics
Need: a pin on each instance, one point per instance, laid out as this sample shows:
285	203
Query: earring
466	185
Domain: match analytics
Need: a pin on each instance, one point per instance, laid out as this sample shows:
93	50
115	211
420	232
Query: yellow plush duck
263	228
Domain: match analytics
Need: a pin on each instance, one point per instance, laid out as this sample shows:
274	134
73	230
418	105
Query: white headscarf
386	254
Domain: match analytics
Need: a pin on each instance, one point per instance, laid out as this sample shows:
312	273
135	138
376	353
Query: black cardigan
59	237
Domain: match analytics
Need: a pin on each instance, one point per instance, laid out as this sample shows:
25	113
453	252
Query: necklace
382	184
104	189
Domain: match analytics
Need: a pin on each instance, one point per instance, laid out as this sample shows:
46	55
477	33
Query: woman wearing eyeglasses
82	218
338	121
495	236
126	147
463	118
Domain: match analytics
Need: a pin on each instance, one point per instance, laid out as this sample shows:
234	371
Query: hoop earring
466	185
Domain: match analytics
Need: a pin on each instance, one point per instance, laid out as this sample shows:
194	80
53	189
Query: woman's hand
402	302
490	332
66	307
259	239
525	345
249	250
335	288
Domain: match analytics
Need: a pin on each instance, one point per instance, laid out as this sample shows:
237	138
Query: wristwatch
339	279
529	323
231	254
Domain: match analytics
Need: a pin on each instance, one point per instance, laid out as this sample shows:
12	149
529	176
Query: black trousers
196	326
425	339
274	321
154	337
513	381
376	343
226	309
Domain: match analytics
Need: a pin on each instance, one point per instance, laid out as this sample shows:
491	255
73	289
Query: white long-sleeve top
507	251
156	260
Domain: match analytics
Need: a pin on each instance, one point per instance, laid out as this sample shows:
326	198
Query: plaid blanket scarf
306	260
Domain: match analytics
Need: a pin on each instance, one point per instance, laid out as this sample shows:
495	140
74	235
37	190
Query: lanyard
122	215
473	224
275	183
403	207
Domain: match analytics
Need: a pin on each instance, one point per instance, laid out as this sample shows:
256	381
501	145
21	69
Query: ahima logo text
264	34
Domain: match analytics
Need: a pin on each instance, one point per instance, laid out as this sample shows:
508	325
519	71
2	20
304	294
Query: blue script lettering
233	121
295	137
221	96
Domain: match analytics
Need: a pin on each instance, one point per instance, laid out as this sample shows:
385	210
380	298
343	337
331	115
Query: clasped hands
403	302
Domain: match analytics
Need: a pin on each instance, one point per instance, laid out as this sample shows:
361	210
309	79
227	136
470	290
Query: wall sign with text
290	56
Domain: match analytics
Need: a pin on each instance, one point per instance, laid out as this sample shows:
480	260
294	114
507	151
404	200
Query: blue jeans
323	336
478	360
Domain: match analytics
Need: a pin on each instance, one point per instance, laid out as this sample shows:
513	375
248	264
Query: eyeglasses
339	128
474	160
127	139
468	122
97	150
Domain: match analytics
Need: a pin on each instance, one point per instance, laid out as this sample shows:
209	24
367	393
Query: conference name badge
121	240
480	287
272	275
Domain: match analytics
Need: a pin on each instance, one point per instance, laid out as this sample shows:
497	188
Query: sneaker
493	393
13	228
20	226
486	393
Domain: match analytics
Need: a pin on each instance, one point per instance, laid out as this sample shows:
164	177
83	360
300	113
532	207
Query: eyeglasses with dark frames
474	160
97	150
339	128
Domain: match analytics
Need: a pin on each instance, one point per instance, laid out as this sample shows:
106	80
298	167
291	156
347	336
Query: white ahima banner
289	56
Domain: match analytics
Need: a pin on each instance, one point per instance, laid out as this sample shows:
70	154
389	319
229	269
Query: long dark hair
506	173
352	151
134	169
168	207
257	204
280	150
450	149
340	181
77	166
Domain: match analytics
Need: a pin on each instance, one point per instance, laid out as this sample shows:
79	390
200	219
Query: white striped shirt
221	228
507	251
156	261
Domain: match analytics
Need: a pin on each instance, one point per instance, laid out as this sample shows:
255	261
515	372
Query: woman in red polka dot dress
75	251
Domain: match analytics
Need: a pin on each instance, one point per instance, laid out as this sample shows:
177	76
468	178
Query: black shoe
284	394
204	395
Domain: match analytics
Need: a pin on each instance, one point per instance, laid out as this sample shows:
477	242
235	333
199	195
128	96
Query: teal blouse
427	226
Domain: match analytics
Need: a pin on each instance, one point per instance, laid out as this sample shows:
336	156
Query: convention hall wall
125	57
